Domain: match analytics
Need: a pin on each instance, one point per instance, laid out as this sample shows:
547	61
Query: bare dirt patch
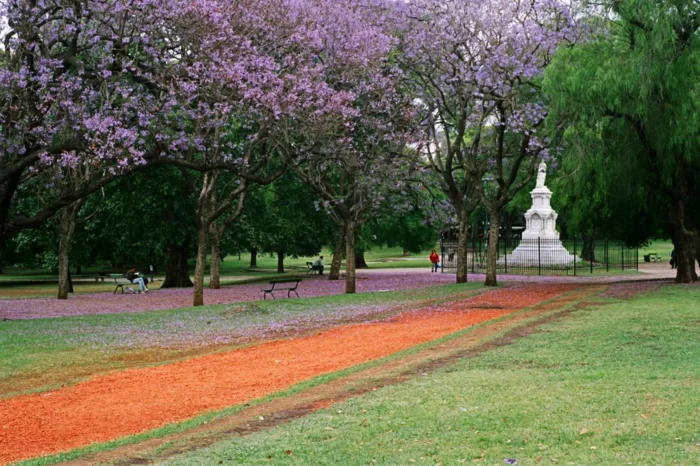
626	290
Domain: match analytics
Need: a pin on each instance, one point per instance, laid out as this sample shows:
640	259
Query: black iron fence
545	256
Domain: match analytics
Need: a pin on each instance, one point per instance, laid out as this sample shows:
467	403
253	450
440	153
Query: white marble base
529	254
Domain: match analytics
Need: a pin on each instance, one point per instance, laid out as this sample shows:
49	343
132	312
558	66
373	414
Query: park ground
30	283
411	370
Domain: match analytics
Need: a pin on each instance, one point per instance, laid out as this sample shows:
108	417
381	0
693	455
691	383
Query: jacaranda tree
352	159
475	66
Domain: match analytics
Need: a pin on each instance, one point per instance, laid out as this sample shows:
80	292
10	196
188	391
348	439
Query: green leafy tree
290	222
626	104
413	231
148	218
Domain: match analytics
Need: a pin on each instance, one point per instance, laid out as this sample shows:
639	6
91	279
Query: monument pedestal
540	244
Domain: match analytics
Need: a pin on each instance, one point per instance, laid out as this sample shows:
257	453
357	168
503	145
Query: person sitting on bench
318	265
133	276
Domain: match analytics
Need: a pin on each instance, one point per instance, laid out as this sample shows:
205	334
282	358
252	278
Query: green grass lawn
384	257
233	270
613	384
660	247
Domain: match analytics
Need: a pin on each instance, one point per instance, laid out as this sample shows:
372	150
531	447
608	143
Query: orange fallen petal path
137	400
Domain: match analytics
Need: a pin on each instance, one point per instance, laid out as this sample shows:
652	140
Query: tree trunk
176	270
462	251
684	243
79	269
684	239
588	251
360	262
337	254
66	228
63	281
492	251
254	258
405	251
350	240
215	265
7	193
280	261
70	282
205	208
202	248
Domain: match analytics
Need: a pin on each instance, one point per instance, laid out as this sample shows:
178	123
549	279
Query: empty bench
652	257
289	285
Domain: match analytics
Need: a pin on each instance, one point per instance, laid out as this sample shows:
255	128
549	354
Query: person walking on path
434	261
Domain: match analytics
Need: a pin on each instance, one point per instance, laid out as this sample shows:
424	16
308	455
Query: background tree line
160	132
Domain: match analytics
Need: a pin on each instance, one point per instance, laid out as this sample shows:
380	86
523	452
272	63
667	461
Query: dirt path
132	401
281	410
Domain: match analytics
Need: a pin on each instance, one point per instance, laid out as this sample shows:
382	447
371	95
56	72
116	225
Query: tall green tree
148	218
289	222
626	104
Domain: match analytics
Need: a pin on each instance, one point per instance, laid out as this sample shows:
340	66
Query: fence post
442	257
575	256
539	257
607	259
622	252
474	256
466	258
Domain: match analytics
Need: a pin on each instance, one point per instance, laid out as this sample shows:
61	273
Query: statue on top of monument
541	175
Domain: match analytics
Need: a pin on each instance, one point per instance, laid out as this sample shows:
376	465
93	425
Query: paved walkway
653	271
368	280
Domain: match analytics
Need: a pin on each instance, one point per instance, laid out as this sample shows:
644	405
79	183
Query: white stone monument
540	244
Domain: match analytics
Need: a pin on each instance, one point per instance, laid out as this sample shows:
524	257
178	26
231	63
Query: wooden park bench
278	285
652	257
117	277
310	269
100	277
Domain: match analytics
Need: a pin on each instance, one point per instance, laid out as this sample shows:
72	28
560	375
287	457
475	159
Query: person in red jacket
434	261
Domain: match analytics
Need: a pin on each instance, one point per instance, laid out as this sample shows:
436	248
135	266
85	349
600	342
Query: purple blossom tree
300	82
354	155
81	83
126	84
355	162
475	65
